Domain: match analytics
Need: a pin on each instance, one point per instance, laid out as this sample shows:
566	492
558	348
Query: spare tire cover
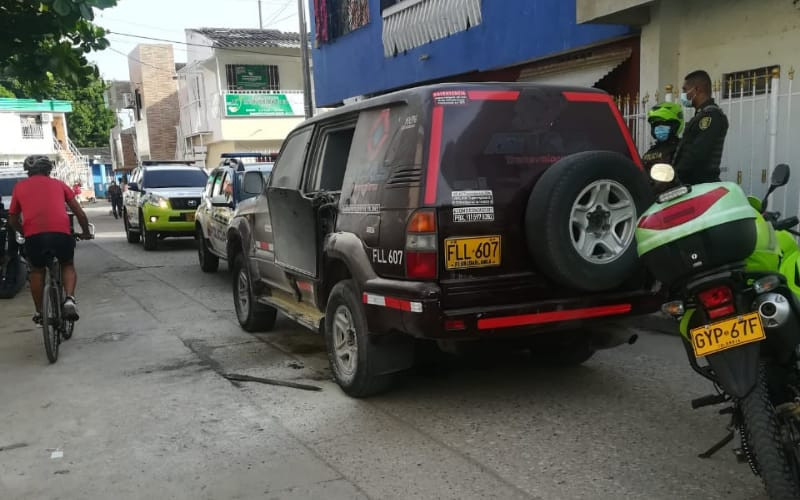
581	217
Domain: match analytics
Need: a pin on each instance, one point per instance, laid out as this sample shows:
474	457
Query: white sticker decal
409	123
469	198
361	209
383	256
473	214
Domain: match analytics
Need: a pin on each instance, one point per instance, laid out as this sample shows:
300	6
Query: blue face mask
661	132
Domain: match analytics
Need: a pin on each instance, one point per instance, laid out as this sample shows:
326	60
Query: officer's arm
696	153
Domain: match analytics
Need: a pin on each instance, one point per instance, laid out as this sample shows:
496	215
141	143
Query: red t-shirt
40	200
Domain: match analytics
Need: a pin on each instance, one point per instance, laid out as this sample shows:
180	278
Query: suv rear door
488	148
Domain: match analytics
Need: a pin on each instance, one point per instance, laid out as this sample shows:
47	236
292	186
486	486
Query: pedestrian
114	195
76	191
666	126
699	152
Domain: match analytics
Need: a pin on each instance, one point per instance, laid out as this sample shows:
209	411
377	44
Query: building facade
749	48
155	101
367	47
31	127
239	91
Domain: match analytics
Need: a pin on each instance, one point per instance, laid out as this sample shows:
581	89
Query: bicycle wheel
50	320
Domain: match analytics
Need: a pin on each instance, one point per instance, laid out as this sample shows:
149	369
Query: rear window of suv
7	185
188	177
504	144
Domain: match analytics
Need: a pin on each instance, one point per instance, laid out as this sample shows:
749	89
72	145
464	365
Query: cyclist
40	200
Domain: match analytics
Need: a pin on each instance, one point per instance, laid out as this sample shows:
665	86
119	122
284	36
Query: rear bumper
415	309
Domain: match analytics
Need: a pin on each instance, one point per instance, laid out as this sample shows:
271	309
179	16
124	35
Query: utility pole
307	99
260	22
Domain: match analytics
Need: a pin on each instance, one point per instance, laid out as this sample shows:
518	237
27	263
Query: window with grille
747	83
252	77
31	127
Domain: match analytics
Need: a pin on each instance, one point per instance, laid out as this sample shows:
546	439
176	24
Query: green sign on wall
250	77
262	105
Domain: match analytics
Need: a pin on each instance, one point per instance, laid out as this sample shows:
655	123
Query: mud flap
736	369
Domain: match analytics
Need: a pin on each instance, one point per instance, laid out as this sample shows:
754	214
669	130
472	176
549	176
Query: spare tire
581	217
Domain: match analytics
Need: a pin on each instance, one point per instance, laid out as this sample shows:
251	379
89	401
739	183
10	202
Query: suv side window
218	184
210	183
331	161
289	168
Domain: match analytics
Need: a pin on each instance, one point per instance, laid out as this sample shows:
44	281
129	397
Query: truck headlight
159	201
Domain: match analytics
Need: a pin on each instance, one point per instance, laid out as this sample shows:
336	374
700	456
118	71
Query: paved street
139	409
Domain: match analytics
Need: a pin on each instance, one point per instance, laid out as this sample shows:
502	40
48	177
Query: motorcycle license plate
463	253
726	334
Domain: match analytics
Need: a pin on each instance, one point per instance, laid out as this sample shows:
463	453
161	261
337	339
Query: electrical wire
279	12
190	44
170	73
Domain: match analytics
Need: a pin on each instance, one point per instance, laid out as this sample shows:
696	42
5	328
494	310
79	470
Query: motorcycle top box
709	226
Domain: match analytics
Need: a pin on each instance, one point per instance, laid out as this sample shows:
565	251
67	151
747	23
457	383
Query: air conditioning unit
47	117
127	100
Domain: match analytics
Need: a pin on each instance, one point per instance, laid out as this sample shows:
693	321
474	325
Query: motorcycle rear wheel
776	468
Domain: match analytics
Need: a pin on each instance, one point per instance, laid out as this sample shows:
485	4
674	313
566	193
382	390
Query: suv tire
149	238
131	235
209	262
354	356
252	316
581	217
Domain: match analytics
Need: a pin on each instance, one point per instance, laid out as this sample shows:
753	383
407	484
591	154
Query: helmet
667	112
38	164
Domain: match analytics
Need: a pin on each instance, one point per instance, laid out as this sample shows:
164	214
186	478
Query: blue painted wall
512	32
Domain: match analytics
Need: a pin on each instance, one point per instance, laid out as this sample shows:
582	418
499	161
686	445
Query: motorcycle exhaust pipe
774	309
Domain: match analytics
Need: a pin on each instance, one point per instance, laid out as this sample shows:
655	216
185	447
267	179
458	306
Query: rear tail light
717	301
452	325
684	211
421	254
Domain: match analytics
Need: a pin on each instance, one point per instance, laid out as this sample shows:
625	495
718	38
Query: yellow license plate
726	334
189	217
464	253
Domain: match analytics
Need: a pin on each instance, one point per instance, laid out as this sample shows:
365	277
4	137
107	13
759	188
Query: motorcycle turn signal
675	308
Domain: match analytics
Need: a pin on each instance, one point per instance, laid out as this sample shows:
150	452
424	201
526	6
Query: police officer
666	126
699	152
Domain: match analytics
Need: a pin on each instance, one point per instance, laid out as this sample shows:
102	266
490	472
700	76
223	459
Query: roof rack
235	159
150	163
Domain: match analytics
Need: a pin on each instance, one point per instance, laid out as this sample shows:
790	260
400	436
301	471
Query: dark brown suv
452	213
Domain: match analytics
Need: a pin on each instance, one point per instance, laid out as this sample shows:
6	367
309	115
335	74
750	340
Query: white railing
261	92
72	166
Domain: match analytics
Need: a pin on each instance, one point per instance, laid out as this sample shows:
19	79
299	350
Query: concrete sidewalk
130	410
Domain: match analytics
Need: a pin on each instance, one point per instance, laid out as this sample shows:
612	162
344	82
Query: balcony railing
412	23
32	132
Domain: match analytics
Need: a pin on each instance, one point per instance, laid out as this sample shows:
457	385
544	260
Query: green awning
32	105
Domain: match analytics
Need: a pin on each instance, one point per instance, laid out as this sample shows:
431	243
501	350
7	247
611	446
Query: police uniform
661	152
699	153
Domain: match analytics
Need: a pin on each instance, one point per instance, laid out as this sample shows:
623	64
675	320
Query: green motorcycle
731	271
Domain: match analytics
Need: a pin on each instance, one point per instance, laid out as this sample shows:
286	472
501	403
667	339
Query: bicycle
55	327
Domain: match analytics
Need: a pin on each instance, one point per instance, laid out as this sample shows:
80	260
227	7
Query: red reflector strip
553	316
493	95
263	245
305	286
392	303
684	211
600	97
434	155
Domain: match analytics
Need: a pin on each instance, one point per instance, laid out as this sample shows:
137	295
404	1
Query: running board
302	313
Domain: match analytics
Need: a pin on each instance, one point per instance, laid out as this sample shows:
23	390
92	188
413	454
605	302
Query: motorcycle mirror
662	172
780	176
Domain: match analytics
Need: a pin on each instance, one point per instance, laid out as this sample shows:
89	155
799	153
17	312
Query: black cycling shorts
39	246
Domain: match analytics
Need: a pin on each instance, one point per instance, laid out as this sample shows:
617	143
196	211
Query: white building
749	48
29	127
239	91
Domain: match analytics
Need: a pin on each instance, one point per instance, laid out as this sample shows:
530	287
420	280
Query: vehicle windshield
188	177
7	185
